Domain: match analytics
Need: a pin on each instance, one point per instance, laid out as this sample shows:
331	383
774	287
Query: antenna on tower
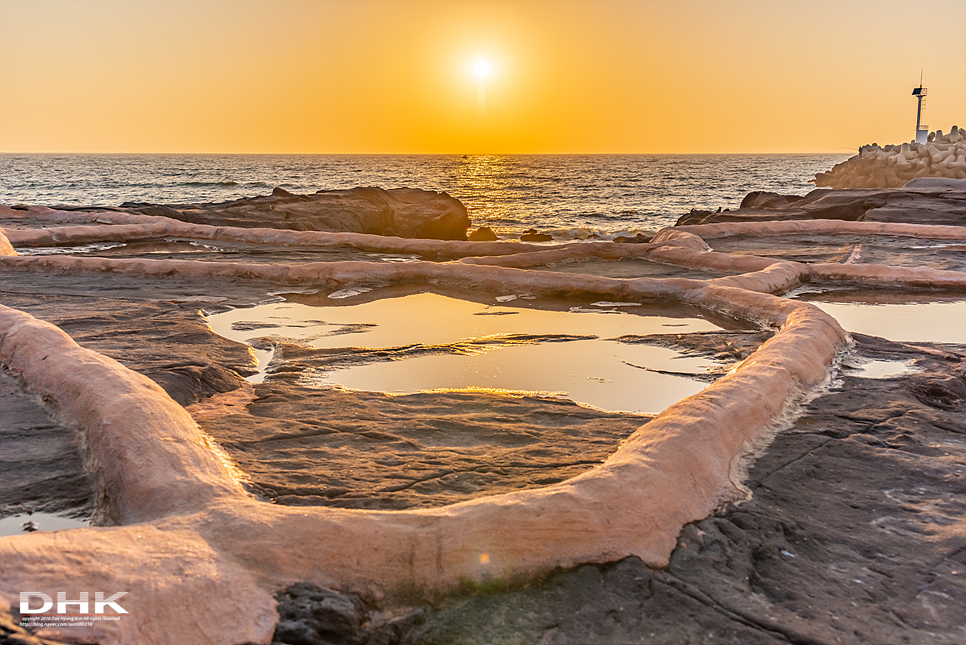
922	131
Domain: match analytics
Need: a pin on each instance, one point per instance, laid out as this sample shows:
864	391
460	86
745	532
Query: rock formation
924	200
400	212
203	560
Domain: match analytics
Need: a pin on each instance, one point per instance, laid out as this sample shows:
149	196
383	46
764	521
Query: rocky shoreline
771	557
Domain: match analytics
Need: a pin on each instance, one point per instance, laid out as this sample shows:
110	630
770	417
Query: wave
206	184
579	233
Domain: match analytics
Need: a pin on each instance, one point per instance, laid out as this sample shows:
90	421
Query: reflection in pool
18	524
564	353
937	322
882	369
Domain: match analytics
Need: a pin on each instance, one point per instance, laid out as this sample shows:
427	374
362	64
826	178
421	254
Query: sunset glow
386	76
482	69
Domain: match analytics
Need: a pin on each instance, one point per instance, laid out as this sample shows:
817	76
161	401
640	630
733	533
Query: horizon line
429	154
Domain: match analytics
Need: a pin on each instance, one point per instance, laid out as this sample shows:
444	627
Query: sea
568	196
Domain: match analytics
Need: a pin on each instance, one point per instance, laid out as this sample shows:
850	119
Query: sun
482	68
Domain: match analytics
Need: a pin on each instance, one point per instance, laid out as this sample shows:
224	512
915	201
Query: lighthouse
922	131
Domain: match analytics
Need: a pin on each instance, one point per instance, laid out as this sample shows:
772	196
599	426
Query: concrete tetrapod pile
894	165
195	552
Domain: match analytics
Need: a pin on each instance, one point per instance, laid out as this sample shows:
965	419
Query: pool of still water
574	355
935	322
17	524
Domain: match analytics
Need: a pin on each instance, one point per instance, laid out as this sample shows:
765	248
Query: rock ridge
399	212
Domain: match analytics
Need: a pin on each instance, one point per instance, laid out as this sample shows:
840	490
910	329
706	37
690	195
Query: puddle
69	250
14	525
937	322
468	346
881	369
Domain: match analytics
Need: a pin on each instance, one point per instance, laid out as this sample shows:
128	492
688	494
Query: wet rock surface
221	251
631	268
42	461
724	346
422	450
167	341
853	534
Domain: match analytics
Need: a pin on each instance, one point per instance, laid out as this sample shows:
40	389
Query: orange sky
396	76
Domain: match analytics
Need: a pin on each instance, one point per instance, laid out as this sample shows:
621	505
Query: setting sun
482	69
574	76
482	321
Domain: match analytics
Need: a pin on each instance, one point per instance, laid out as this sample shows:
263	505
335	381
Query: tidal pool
881	369
937	322
430	342
15	524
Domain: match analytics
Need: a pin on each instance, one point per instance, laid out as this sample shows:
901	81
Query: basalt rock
766	199
532	235
482	234
923	201
400	212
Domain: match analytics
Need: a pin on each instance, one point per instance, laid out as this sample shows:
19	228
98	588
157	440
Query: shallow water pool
15	524
429	342
937	322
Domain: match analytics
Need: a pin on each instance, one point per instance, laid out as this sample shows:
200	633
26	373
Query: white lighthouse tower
922	131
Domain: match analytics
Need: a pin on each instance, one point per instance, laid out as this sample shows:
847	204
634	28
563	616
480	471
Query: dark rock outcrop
401	212
765	199
482	234
941	202
532	235
312	615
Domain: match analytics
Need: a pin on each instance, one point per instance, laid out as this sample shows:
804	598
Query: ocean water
567	195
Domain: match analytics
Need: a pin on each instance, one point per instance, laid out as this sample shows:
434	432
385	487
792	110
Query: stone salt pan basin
194	551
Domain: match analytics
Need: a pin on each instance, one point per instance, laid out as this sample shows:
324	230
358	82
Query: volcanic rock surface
42	462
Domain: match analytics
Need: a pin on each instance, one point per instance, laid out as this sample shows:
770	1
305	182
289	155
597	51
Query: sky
403	76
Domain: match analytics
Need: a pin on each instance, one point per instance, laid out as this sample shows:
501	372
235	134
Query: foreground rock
41	464
921	201
854	534
400	212
421	450
854	531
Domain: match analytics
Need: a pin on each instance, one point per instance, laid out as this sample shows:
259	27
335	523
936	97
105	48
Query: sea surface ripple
569	195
